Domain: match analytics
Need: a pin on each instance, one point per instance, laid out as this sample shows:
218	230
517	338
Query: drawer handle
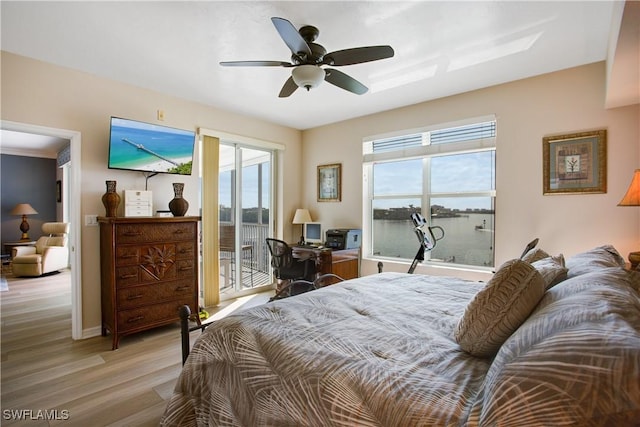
185	268
135	319
132	233
132	297
128	256
183	288
184	251
128	276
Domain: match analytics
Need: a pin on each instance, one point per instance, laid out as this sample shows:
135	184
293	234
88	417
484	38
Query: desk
344	263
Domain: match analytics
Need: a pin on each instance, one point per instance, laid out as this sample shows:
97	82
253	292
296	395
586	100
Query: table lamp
24	209
632	198
301	216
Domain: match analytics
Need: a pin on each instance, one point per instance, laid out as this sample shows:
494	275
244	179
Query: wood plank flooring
81	383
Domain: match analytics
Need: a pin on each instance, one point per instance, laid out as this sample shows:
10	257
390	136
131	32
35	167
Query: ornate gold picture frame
330	183
575	163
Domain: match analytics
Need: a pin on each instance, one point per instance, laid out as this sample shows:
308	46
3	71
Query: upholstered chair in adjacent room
51	252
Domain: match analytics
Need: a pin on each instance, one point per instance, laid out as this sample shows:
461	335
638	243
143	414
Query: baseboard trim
91	332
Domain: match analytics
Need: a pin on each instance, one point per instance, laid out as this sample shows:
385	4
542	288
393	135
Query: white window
447	174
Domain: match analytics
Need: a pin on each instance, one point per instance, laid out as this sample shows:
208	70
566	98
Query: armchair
49	254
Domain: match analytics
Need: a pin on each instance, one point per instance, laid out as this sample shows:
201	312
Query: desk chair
285	266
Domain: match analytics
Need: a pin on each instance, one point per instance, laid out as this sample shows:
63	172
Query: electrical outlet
161	115
91	220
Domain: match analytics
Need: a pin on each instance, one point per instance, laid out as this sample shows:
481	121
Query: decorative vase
111	199
178	205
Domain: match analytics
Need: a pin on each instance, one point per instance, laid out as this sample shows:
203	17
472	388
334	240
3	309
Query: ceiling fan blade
358	55
256	64
340	79
291	36
289	87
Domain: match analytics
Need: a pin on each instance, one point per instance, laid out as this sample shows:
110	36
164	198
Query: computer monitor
312	232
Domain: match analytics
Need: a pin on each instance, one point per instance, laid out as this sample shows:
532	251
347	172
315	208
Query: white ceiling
441	48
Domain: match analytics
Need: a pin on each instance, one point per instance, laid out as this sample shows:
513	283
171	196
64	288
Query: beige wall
38	93
526	110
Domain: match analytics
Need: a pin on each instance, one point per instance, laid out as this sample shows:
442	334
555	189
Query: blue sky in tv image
148	147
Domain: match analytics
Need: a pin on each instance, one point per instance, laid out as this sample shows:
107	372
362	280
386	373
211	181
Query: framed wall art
575	163
329	182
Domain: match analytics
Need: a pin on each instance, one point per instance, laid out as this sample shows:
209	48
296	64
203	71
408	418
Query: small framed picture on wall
575	163
329	183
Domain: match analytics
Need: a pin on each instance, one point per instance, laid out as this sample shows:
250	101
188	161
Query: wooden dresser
149	269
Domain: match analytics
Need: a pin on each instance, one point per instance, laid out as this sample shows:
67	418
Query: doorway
245	193
72	174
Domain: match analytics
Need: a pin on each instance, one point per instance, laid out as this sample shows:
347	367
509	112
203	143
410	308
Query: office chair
286	267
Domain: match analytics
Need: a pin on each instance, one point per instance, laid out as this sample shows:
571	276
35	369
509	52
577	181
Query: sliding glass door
245	197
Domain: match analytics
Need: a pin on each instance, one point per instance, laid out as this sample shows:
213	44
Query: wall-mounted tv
150	148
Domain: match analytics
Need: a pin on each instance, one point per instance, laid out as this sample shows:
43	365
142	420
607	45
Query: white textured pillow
551	269
593	260
500	308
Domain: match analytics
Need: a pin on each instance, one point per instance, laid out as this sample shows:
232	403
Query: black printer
343	238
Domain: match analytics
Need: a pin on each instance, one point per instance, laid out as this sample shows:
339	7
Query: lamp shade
23	209
308	76
301	216
632	198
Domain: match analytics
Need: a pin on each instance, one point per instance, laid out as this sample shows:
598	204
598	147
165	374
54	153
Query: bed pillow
534	255
552	269
499	308
593	260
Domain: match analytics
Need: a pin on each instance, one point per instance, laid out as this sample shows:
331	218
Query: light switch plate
91	220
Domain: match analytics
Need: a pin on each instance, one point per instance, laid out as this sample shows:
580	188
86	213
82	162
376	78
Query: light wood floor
43	369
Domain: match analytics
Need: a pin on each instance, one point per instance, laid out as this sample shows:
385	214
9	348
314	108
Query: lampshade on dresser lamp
632	198
301	216
24	209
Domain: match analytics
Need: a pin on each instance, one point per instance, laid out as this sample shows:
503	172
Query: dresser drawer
144	317
136	296
141	274
185	250
148	233
185	268
127	255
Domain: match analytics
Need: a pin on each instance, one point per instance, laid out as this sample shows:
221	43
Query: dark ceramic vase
111	199
178	205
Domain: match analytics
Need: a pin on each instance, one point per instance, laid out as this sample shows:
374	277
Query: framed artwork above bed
575	163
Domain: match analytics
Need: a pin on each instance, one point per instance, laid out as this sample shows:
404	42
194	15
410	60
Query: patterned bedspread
377	350
380	351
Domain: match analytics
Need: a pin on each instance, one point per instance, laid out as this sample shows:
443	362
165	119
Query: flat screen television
312	232
150	148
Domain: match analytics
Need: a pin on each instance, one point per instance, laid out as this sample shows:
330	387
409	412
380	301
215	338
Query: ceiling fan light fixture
308	76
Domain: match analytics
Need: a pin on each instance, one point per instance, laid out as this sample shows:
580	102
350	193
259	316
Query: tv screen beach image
150	148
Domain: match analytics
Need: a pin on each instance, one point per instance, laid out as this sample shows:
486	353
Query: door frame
75	139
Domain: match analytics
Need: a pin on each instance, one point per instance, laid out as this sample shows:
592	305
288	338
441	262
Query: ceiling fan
308	57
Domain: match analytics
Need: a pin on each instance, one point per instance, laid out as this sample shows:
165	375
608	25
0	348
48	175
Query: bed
544	342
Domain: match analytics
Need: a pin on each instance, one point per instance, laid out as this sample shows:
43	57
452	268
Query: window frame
426	152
